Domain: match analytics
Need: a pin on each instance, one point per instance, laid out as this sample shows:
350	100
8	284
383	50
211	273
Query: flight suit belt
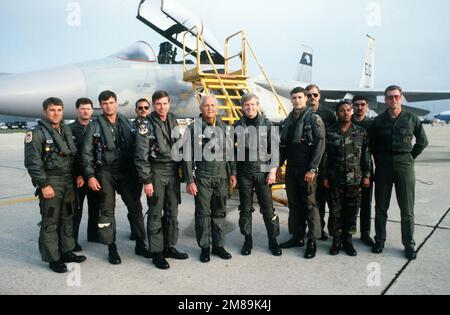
392	152
59	174
164	169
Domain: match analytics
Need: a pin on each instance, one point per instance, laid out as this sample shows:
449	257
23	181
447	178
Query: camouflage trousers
344	207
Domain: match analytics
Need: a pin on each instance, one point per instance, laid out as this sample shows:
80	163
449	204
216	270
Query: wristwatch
314	170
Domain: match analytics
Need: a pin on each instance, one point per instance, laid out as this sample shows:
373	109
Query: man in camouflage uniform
254	173
85	110
49	156
302	146
391	136
159	174
108	149
329	119
347	166
360	118
212	176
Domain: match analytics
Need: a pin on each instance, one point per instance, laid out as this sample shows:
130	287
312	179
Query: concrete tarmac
22	272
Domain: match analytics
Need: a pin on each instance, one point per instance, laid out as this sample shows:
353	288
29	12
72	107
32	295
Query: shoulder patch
29	137
319	121
143	129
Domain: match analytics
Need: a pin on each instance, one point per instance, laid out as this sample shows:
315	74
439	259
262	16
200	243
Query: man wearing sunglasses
329	119
142	109
158	172
391	136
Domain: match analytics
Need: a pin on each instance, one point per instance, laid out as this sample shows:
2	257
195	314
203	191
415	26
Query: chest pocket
405	134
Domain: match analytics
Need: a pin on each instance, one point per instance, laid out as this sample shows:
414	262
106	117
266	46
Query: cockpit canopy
139	52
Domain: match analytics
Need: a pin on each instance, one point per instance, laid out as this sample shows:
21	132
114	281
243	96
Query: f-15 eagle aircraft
136	72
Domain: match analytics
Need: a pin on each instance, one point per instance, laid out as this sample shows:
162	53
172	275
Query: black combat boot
348	246
113	255
336	247
378	248
410	253
160	262
311	249
142	250
171	252
205	256
247	247
221	252
72	258
367	240
58	267
293	242
77	248
274	247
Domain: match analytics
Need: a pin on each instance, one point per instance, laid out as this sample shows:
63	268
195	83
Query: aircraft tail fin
368	72
304	70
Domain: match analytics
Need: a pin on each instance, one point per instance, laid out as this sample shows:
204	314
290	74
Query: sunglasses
393	97
144	108
316	95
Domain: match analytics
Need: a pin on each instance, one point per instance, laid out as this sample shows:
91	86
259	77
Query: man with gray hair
206	153
254	173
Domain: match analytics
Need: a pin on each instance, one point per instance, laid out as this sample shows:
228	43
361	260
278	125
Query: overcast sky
412	49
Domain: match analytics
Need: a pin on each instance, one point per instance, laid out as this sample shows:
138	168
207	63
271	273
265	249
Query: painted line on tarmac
436	227
12	202
13	168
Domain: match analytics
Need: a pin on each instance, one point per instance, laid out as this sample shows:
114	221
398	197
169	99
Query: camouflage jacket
347	157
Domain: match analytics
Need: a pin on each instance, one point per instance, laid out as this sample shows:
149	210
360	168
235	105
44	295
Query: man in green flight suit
159	173
302	146
391	136
108	148
360	118
49	156
329	119
206	153
347	167
255	174
85	110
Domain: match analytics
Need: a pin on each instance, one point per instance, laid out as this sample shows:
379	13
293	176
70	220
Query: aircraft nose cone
23	94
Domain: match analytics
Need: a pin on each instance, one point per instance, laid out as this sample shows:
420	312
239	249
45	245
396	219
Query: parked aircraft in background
445	116
136	72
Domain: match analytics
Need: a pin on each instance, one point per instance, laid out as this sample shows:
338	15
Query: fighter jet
444	116
136	72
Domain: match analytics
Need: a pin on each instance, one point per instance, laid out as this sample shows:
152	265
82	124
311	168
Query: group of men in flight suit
328	159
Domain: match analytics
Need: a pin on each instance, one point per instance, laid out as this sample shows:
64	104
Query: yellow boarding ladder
227	85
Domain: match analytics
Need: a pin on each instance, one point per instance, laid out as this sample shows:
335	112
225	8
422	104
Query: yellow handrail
280	104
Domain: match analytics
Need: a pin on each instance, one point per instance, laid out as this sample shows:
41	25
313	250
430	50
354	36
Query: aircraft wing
169	19
331	96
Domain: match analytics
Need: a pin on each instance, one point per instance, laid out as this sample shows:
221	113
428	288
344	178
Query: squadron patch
143	129
319	122
29	137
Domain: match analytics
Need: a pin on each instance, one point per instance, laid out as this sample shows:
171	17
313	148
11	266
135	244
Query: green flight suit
108	156
155	165
252	174
302	146
329	119
394	153
93	198
346	162
49	158
212	177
